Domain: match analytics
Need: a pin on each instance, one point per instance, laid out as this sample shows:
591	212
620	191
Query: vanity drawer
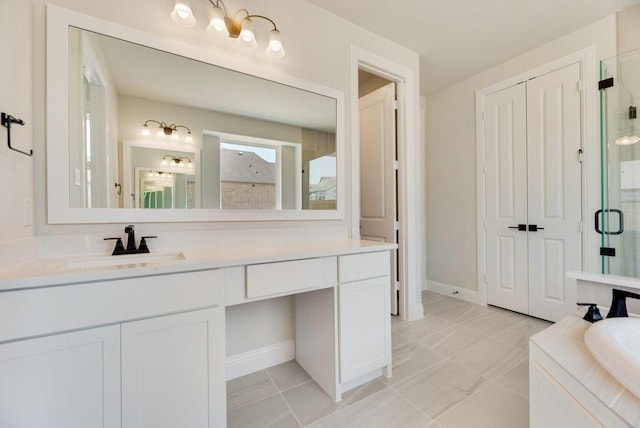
355	267
290	277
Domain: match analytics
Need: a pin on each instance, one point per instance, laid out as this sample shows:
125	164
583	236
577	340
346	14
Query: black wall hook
6	120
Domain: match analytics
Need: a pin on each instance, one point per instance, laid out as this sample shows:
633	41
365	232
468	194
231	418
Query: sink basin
122	262
615	344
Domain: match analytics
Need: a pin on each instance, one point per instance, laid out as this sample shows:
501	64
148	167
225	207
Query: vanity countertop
564	343
45	272
615	280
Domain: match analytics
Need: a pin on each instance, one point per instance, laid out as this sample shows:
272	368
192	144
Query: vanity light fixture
165	130
177	161
240	27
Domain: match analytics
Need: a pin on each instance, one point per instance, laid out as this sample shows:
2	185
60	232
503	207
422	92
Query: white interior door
378	172
534	194
506	198
555	203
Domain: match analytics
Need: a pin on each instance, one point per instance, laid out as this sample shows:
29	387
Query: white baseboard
259	359
452	291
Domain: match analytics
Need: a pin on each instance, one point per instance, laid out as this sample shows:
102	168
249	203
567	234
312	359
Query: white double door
533	221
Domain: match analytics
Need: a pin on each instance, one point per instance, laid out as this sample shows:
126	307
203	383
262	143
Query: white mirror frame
58	22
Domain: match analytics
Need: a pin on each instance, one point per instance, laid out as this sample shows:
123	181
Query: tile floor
462	365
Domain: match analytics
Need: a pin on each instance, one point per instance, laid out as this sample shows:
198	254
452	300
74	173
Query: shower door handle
520	227
620	224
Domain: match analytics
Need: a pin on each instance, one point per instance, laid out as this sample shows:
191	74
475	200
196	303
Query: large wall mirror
144	129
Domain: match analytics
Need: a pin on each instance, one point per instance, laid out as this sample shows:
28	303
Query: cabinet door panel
365	338
173	371
62	381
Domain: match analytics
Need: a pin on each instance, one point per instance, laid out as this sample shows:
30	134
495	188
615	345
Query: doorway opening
379	164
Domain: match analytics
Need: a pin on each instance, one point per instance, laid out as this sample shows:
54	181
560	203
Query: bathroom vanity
84	342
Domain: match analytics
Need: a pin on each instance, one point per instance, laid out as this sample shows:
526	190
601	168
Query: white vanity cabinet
158	362
364	314
62	381
169	375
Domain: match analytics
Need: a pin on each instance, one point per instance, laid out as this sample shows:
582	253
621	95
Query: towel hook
6	120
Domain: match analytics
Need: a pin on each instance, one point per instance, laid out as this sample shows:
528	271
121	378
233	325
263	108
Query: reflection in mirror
254	144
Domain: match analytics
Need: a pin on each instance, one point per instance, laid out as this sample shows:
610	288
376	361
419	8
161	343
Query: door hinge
483	115
396	286
396	165
606	83
484	224
606	251
580	86
484	169
580	227
395	104
396	225
580	155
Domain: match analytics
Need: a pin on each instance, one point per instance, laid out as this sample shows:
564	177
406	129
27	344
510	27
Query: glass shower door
618	220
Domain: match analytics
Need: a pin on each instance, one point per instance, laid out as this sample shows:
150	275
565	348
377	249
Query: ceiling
148	73
459	38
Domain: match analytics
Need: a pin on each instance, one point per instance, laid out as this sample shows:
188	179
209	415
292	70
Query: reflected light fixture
165	130
177	161
240	27
627	140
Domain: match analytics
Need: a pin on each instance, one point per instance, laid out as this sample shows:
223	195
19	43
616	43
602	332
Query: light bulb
189	138
164	162
247	36
174	135
217	24
627	140
275	48
145	131
182	14
160	132
190	164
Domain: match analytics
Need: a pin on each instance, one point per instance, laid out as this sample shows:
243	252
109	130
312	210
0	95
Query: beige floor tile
441	387
249	388
451	341
416	329
398	339
310	403
491	358
384	409
517	379
492	407
465	312
519	334
494	322
430	307
288	375
410	359
270	412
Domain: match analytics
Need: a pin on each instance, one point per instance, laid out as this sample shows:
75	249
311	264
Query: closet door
554	178
506	198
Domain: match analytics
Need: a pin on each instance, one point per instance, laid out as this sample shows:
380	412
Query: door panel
506	198
377	172
555	203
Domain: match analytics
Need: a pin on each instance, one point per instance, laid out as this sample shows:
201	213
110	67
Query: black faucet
131	243
131	239
619	303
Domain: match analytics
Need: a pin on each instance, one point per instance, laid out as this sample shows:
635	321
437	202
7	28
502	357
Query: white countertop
621	281
564	343
44	272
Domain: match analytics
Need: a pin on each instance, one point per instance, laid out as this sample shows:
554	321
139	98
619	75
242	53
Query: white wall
451	156
16	170
628	32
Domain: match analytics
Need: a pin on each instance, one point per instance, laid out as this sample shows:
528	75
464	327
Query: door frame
590	157
410	154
